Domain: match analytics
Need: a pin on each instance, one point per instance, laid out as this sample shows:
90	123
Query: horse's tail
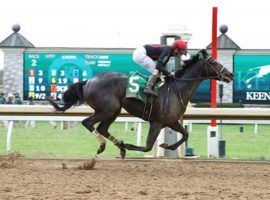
73	96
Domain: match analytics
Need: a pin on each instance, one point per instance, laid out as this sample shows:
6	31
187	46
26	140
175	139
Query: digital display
50	74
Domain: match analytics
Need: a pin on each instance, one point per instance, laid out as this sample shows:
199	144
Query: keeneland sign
260	96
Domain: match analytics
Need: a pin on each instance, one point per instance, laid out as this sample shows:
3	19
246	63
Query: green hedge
223	105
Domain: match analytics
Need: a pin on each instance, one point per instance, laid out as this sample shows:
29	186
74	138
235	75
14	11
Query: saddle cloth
136	83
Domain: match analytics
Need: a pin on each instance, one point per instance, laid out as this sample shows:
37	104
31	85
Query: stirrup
148	106
150	92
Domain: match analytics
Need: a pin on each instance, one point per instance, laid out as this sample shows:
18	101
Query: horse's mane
187	63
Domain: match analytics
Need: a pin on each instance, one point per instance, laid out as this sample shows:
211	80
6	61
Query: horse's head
214	69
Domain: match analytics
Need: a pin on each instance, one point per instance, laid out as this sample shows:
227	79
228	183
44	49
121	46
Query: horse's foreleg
154	130
178	128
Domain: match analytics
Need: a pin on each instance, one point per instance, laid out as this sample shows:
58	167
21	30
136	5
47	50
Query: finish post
214	55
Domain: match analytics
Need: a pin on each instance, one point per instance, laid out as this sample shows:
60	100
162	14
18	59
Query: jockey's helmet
179	46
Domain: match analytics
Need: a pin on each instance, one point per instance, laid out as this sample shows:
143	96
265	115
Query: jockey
154	58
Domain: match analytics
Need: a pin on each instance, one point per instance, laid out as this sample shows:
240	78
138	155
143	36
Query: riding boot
150	84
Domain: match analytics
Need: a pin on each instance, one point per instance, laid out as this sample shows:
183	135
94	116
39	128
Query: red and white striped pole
214	55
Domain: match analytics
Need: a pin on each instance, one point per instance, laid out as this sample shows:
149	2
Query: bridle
218	75
206	63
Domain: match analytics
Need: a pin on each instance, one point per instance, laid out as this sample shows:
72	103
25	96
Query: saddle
135	86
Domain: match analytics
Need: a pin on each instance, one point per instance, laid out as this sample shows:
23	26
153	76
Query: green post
222	148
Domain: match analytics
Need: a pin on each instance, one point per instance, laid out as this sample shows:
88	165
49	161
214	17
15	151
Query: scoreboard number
40	96
33	62
40	72
40	88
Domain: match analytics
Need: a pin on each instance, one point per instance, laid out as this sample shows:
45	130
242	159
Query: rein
178	93
218	74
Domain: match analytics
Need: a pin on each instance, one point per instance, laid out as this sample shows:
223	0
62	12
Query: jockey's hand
171	75
162	70
165	72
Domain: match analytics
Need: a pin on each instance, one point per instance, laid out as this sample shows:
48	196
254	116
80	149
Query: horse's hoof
164	145
101	148
122	148
123	153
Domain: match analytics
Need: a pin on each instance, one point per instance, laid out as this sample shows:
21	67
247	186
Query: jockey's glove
162	70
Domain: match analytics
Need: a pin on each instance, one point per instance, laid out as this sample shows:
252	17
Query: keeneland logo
258	96
261	72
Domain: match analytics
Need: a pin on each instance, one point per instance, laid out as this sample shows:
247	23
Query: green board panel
251	84
202	94
49	74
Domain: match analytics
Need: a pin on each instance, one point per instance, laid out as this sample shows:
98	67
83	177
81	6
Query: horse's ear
196	57
204	53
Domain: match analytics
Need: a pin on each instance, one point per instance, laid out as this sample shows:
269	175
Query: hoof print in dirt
64	166
87	165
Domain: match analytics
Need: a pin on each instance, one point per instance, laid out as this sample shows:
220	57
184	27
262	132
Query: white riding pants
140	57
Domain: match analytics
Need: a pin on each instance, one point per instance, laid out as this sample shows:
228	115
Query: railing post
10	126
139	134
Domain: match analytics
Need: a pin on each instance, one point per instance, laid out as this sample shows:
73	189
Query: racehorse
106	94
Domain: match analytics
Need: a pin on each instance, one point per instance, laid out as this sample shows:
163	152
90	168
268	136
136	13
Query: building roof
224	42
16	40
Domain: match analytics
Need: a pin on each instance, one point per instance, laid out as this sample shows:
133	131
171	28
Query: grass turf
44	141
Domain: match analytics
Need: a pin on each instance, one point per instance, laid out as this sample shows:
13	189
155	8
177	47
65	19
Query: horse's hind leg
89	124
103	129
107	108
154	130
179	128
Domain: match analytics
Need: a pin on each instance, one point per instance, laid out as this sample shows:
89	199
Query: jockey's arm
163	60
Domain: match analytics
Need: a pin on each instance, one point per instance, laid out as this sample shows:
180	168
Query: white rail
191	113
47	113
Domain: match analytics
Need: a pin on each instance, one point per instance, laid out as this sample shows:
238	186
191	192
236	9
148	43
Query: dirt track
22	178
